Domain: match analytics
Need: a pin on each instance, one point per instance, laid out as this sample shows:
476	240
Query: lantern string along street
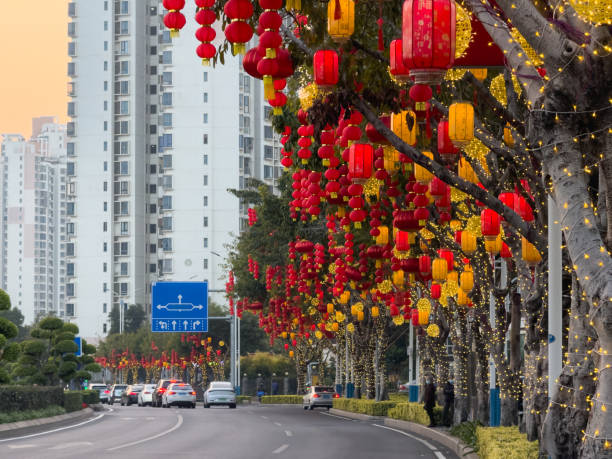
460	193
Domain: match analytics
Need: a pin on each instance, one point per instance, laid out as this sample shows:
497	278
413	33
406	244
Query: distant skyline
34	58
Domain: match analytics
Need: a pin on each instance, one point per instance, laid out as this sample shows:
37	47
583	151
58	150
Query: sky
33	52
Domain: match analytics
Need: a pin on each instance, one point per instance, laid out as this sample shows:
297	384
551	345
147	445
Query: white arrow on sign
174	325
163	325
195	324
185	323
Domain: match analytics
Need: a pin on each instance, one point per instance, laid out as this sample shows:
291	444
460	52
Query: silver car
145	396
180	394
220	393
319	396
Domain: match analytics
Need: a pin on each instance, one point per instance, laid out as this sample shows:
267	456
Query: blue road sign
179	307
79	342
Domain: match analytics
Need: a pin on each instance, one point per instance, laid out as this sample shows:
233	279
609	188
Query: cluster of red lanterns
174	19
253	267
238	31
252	215
205	16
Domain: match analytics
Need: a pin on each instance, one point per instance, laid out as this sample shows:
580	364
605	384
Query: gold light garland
307	95
532	55
594	11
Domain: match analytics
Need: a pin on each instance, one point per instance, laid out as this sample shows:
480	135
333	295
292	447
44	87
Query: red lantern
449	257
326	68
206	34
489	224
279	101
402	241
238	31
361	156
505	251
397	67
376	137
522	207
428	38
436	291
424	265
420	93
174	19
446	148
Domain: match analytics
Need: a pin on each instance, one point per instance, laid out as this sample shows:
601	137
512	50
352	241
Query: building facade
155	142
33	209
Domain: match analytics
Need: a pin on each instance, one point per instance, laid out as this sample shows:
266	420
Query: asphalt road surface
248	432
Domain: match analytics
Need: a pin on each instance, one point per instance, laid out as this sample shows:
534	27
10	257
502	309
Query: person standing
449	403
429	399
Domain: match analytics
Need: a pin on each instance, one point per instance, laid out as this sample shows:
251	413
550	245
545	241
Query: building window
104	267
125	7
70	228
70	169
104	328
268	133
167	161
268	152
165	141
205	242
70	309
70	209
167	99
166	266
70	149
105	226
167	119
69	290
205	160
167	202
166	223
123	288
205	263
167	182
205	118
205	201
167	57
69	269
124	228
167	78
205	97
205	76
205	222
123	269
206	180
205	139
104	308
268	172
166	244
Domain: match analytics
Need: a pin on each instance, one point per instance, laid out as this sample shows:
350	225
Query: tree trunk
461	351
482	378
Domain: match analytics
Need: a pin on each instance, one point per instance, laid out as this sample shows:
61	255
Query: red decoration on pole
174	19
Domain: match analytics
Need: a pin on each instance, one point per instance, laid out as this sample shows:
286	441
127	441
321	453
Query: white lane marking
21	446
265	417
278	424
127	419
150	418
334	416
281	449
176	426
52	431
72	445
438	454
288	433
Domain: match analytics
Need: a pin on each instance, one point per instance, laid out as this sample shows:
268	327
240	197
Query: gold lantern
479	74
360	316
468	242
422	175
398	278
508	139
465	171
461	123
466	280
439	269
291	354
493	246
335	327
423	317
391	158
293	5
344	297
452	276
340	19
462	298
284	334
529	253
375	311
330	308
339	316
400	127
383	236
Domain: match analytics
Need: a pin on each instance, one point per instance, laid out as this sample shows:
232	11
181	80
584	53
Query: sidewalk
13	429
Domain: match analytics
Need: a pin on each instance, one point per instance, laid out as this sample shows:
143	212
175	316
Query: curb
452	443
77	415
358	416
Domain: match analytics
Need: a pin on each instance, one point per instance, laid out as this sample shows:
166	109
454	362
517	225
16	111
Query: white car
220	393
180	394
145	396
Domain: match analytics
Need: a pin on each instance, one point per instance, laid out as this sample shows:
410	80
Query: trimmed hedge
369	407
506	442
17	416
282	399
73	400
91	397
240	399
28	398
414	412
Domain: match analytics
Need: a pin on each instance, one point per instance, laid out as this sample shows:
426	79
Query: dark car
130	395
115	393
162	386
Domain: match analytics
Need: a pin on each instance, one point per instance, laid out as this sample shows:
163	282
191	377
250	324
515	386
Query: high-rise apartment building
155	141
33	226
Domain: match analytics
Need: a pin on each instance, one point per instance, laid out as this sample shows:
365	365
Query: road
248	432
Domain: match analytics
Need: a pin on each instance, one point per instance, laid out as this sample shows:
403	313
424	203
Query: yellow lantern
291	354
319	334
493	246
360	316
339	316
452	276
461	123
330	308
462	298
391	158
423	317
465	171
354	310
400	127
344	297
292	335
466	280
479	74
468	242
375	311
439	269
433	331
284	335
340	20
529	253
350	328
508	139
335	326
293	5
422	175
398	278
383	236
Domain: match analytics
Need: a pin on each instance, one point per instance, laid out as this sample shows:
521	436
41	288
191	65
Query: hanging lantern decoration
280	99
340	19
401	128
493	246
420	94
461	123
422	175
466	172
361	156
174	19
383	235
529	253
505	251
295	5
428	38
205	16
238	31
468	242
436	291
439	269
489	224
270	21
462	298
397	68
325	68
466	280
448	151
398	278
402	241
423	316
425	266
508	138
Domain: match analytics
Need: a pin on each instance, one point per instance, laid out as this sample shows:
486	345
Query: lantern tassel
337	10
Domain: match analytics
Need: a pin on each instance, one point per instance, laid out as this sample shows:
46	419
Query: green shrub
73	400
282	399
506	442
415	412
369	407
91	397
466	432
240	399
17	416
27	398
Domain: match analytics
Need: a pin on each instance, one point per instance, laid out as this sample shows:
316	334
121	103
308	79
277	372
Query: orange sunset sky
33	52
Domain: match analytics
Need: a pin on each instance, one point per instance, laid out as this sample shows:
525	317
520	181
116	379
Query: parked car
103	391
179	394
160	388
403	388
130	395
319	396
115	393
145	396
220	393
